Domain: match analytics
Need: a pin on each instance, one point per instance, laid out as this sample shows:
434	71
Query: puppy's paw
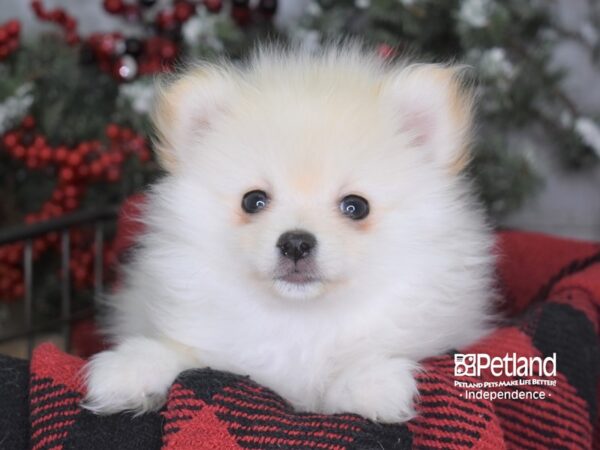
380	389
135	376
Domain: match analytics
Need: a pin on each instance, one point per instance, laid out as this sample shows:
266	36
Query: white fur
410	281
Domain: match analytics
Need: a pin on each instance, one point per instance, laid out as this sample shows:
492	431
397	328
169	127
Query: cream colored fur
411	280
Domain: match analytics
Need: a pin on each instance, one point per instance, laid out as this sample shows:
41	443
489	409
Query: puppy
313	231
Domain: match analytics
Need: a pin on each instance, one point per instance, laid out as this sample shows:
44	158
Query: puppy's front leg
379	388
134	376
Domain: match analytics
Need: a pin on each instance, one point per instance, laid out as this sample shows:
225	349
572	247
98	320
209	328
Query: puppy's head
306	175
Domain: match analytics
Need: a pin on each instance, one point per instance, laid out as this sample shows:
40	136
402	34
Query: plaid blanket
552	292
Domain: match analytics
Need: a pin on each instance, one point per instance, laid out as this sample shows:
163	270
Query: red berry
58	15
112	131
44	216
40	246
19	152
74	159
32	152
58	195
3	36
109	256
86	258
55	210
154	65
71	191
144	155
39	142
165	20
84	148
96	169
183	11
66	175
37	7
131	12
126	134
107	45
14	256
70	24
168	50
138	142
83	172
71	204
117	158
13	28
5	283
61	154
105	160
113	6
79	274
45	154
10	140
241	15
32	162
113	174
46	207
18	291
213	5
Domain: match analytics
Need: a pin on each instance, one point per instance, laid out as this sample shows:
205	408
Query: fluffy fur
409	281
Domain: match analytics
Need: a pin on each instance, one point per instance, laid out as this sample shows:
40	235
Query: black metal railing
26	233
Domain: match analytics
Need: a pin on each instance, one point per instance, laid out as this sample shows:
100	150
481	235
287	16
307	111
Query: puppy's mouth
297	272
298	280
298	277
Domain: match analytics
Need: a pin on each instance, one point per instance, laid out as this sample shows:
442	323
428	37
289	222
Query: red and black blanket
552	292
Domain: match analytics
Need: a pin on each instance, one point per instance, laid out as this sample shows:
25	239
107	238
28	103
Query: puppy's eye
254	201
354	207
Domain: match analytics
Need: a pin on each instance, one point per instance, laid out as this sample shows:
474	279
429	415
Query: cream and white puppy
314	231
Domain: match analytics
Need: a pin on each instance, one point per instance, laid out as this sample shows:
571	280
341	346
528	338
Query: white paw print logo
465	365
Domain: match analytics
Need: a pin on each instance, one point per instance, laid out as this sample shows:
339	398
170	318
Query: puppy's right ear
185	109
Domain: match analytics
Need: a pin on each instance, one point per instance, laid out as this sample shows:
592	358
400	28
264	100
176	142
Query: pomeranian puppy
313	231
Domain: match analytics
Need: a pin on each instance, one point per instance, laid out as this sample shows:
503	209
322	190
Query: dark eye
254	201
354	207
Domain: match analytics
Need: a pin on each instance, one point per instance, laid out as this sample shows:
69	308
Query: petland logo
472	364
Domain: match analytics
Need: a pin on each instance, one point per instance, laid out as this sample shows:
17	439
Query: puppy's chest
269	346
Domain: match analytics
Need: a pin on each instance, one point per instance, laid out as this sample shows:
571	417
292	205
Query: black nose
296	245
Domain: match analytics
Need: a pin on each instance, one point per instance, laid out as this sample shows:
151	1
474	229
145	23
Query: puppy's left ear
435	111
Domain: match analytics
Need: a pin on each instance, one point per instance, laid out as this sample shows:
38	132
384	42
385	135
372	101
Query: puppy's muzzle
296	245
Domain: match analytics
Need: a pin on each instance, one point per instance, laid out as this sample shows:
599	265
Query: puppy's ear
185	109
434	111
